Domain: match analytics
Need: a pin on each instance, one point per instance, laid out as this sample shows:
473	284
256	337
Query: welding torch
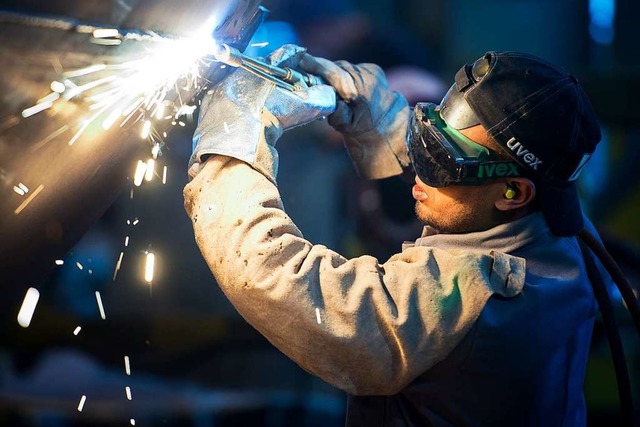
283	77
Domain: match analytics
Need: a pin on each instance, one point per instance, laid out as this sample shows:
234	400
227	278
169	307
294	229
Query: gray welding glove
243	110
373	119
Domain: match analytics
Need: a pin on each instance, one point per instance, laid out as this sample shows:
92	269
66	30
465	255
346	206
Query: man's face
457	208
460	208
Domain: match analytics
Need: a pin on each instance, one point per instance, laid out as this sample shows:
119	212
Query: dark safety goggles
442	156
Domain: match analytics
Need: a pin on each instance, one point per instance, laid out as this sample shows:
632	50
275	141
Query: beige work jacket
368	328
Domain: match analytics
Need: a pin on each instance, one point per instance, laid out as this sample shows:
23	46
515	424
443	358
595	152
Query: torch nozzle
282	76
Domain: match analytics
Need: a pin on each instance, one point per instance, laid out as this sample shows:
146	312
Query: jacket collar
507	238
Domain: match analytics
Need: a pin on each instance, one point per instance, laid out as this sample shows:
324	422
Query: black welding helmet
442	156
537	113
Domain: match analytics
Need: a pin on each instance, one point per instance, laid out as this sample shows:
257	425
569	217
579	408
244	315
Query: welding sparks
28	112
81	404
126	241
41	105
28	200
80	267
145	89
261	44
127	365
151	166
139	174
156	151
115	271
127	390
58	87
164	175
18	190
76	331
102	33
28	307
132	422
59	262
111	119
318	319
149	266
100	307
146	129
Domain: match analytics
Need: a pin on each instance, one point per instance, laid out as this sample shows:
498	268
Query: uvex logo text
528	157
490	170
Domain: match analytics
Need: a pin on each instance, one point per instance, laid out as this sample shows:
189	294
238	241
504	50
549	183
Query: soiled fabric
366	327
523	362
454	330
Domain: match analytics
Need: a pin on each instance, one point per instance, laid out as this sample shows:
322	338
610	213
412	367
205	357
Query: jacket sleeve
365	327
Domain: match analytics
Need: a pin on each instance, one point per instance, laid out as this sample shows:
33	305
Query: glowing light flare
84	71
111	119
28	112
146	130
54	96
59	262
149	267
164	175
159	114
318	318
57	86
127	365
132	422
81	404
118	264
18	190
127	391
156	151
100	306
76	331
151	166
139	174
28	200
102	33
28	307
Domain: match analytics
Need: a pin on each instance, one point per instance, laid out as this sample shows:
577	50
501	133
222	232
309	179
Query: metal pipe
233	57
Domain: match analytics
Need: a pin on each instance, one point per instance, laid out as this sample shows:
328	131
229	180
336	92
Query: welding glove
373	119
243	112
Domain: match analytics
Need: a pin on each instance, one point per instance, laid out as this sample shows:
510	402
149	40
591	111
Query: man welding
485	319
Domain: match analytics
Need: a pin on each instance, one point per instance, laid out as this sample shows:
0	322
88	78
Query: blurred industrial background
174	352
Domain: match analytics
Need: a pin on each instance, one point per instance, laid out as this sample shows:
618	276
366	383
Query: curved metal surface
54	186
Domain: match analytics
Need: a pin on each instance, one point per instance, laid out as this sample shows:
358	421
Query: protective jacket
523	361
479	329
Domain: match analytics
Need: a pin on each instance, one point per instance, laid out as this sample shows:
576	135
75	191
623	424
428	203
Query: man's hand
373	119
244	108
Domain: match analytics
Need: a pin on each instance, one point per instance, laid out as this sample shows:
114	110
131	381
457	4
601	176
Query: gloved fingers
365	76
336	76
297	108
343	116
288	55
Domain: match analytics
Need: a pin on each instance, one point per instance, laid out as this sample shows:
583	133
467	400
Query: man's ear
516	193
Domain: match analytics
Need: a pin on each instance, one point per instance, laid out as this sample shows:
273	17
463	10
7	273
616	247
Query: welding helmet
442	156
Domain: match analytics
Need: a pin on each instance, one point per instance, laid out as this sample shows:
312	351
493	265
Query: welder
486	318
